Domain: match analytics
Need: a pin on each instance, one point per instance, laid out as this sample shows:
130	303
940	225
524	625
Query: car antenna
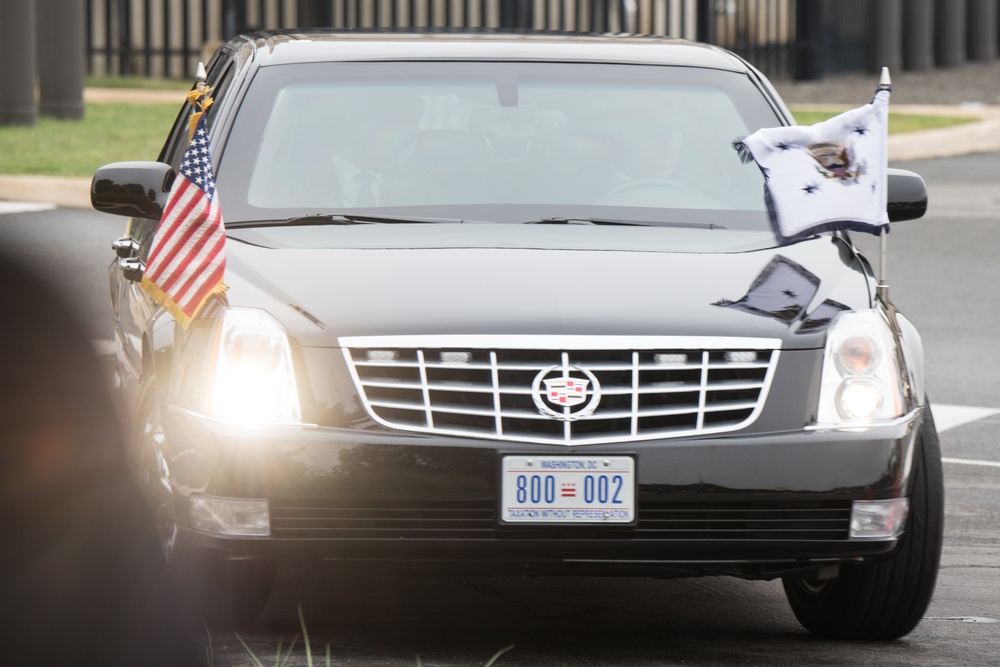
882	288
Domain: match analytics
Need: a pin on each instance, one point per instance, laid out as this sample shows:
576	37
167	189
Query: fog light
230	516
878	519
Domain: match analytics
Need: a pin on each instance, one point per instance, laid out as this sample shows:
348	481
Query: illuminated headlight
861	376
230	516
253	380
878	519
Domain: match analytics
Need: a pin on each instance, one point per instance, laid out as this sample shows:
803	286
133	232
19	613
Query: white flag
831	175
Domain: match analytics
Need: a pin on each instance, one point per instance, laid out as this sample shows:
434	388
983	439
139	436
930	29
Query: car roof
285	47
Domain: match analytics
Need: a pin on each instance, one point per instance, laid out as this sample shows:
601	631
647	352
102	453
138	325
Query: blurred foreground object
83	575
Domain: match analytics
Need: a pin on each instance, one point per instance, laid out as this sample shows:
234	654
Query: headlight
861	376
252	379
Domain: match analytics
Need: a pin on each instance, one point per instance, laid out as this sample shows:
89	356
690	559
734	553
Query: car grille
615	388
476	519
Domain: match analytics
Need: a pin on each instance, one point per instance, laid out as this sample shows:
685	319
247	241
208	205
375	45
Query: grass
110	132
138	82
283	654
898	122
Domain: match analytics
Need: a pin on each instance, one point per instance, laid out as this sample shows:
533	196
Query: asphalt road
944	276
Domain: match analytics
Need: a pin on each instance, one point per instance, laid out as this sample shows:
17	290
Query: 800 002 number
568	489
596	488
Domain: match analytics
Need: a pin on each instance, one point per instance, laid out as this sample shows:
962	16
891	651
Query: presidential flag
831	175
187	259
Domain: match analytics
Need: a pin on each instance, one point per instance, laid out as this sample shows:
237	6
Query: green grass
898	122
138	82
108	133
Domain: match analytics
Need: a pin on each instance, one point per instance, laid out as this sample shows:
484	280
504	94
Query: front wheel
884	599
226	594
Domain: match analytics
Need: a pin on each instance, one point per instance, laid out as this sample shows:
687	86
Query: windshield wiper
626	223
338	219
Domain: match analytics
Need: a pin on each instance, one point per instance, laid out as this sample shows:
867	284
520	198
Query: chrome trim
420	392
867	426
531	342
538	395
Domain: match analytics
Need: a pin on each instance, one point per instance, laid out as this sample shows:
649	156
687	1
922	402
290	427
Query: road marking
951	416
8	207
972	462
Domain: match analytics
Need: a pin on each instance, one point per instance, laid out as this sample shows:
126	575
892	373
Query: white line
950	416
973	462
8	207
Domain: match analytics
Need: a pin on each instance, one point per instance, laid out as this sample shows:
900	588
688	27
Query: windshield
496	142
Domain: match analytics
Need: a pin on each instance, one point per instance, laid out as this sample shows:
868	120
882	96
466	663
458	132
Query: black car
551	331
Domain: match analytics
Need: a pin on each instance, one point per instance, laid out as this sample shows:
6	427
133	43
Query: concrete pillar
887	35
810	57
516	14
61	55
599	16
918	35
982	27
17	67
949	37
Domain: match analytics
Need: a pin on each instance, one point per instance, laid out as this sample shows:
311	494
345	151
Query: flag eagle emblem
831	175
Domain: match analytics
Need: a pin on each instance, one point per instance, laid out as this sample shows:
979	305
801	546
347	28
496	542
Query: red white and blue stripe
187	260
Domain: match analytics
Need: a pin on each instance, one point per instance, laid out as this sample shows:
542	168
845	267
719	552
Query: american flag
188	256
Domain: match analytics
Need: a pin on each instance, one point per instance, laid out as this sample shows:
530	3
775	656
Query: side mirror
907	196
137	189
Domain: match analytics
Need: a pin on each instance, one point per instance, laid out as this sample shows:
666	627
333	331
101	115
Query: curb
63	191
981	136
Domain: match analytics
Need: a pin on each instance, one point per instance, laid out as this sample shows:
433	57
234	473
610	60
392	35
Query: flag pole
201	76
882	289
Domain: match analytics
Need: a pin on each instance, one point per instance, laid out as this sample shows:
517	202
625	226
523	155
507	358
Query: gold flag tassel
200	100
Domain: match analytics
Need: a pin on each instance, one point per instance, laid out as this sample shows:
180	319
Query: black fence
803	39
167	38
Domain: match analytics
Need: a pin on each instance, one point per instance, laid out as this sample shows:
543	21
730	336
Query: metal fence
166	38
762	31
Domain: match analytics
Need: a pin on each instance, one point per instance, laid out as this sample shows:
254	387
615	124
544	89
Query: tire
225	594
885	598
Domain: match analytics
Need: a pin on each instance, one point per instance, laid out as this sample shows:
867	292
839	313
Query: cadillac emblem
566	393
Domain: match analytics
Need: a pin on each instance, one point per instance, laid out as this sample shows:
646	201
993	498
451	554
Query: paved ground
967	85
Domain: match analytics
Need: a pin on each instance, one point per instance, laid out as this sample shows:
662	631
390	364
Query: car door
132	307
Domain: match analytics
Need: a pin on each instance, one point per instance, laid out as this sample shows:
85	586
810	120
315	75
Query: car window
178	141
495	142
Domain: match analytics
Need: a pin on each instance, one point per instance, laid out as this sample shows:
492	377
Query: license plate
568	489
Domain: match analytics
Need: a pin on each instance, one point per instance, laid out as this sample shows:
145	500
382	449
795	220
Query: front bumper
753	506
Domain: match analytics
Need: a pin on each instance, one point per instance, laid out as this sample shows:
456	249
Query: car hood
327	282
